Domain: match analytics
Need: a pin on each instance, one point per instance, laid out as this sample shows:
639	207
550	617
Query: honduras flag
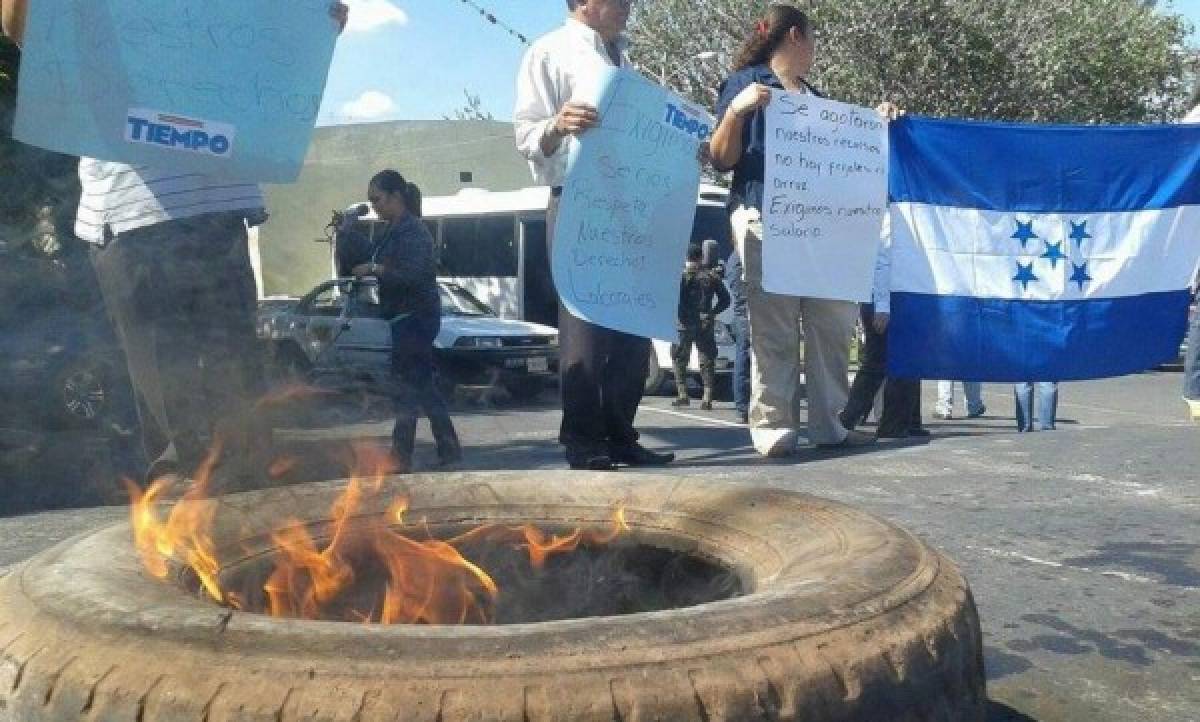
1040	253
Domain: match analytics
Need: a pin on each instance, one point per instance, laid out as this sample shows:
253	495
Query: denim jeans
741	363
1047	404
972	390
1191	362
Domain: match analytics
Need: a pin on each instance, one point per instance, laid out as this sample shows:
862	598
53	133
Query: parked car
336	334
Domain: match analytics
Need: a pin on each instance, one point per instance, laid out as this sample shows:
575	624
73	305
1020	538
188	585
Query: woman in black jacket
401	258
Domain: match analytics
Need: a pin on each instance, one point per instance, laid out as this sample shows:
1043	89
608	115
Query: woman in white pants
778	55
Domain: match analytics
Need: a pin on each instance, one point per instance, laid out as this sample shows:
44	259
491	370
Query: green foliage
8	68
1086	61
472	110
38	189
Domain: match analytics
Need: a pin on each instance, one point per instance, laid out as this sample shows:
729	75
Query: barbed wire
491	18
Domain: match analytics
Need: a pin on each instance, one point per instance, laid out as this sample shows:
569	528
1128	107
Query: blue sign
626	211
224	87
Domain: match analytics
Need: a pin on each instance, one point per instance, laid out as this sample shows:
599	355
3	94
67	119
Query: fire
424	580
185	534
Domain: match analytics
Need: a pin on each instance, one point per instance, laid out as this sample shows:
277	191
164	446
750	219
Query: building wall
339	165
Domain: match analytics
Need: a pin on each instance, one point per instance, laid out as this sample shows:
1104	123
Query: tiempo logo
181	133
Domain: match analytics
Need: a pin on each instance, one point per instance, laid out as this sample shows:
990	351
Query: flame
185	534
424	581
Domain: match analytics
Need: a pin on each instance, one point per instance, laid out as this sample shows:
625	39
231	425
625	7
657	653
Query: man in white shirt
602	372
171	257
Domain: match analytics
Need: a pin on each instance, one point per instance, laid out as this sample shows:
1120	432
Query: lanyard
381	243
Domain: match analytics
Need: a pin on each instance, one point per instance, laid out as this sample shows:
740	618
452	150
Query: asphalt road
1082	545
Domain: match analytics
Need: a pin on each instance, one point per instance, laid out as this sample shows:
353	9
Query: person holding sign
778	54
602	372
171	256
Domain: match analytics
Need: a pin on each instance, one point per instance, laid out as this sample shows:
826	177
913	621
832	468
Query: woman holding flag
778	55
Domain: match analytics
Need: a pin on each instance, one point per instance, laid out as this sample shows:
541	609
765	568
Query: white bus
494	245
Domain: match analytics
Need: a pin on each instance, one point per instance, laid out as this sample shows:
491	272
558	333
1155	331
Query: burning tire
844	617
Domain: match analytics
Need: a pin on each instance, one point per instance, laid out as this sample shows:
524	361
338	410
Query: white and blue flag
1040	253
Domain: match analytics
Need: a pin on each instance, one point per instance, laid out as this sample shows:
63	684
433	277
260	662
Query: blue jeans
972	390
1047	404
1191	362
741	363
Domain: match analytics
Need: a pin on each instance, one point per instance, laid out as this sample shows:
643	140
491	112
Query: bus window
483	246
541	300
713	222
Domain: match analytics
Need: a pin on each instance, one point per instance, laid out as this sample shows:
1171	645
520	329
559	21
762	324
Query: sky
414	59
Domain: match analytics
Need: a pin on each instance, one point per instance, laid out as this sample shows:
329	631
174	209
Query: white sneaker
774	443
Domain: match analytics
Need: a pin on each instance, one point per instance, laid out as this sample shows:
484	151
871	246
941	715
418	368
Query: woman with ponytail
778	55
402	259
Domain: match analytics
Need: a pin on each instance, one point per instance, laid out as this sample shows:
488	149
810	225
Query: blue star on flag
1024	274
1080	275
1053	253
1079	232
1024	232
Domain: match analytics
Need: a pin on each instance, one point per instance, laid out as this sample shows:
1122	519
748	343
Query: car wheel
655	376
82	393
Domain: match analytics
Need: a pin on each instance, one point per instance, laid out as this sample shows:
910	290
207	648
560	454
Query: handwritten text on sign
824	197
225	87
626	212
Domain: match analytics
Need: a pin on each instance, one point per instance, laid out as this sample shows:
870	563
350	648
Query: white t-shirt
551	71
125	197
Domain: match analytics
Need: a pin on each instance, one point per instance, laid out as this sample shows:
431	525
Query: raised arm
13	14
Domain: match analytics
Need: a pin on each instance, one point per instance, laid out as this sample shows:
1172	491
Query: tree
1088	61
473	110
39	190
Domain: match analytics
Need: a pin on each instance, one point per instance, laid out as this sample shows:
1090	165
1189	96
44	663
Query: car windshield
456	301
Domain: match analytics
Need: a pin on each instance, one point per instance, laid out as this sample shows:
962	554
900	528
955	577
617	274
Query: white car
337	333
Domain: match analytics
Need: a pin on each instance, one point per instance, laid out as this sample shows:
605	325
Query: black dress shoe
589	460
637	455
919	431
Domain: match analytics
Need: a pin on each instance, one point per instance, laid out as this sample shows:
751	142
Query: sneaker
977	412
774	443
706	406
681	401
853	439
1193	408
634	454
943	415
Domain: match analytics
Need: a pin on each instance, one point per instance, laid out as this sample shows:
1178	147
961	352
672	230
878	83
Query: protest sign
225	87
626	212
824	197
